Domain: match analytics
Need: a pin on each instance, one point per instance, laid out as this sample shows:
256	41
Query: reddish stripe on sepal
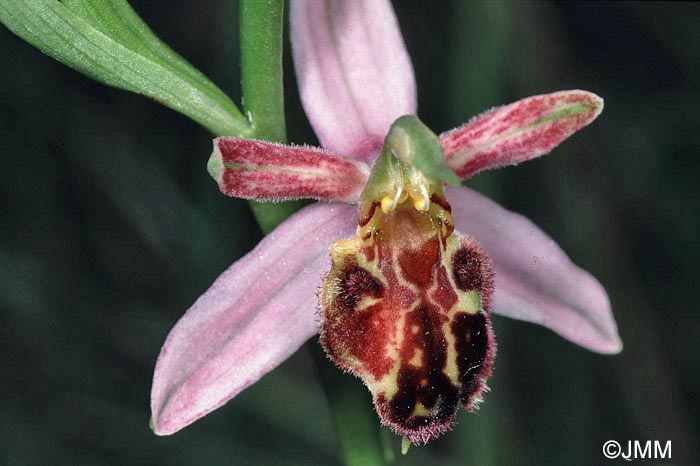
267	171
518	132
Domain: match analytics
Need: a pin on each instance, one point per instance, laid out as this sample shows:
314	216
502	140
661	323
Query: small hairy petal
254	316
267	171
535	281
355	76
518	132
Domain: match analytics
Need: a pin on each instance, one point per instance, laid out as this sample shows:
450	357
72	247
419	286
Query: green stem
356	424
261	67
270	215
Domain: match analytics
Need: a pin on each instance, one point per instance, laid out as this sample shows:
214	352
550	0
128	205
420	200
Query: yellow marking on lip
469	302
417	359
388	384
366	302
451	370
343	248
446	262
352	361
420	410
373	266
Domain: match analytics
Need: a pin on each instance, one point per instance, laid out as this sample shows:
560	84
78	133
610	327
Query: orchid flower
414	272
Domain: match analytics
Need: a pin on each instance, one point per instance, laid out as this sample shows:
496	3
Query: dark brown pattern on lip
429	387
426	400
476	347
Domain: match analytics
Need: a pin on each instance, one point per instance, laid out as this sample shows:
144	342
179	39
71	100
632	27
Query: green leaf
107	41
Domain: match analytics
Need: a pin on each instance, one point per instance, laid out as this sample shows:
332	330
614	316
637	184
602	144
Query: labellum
406	303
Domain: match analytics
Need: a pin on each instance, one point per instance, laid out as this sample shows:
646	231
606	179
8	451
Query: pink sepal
355	76
254	316
518	132
535	281
267	171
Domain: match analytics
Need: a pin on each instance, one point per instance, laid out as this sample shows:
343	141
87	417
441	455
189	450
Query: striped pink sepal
518	132
267	171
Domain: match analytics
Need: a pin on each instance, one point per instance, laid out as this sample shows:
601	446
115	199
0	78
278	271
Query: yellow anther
419	204
387	204
403	197
420	197
426	195
415	187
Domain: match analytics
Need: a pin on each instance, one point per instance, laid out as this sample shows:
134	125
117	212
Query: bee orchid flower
405	271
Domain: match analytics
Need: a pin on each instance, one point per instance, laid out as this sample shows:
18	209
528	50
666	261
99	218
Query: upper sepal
415	144
518	132
354	73
267	171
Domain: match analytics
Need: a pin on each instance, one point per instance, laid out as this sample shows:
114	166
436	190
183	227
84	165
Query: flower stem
262	24
270	215
356	425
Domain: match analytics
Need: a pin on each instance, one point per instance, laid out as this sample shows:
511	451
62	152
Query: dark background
111	228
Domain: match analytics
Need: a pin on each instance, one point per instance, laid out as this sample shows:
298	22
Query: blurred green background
111	228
